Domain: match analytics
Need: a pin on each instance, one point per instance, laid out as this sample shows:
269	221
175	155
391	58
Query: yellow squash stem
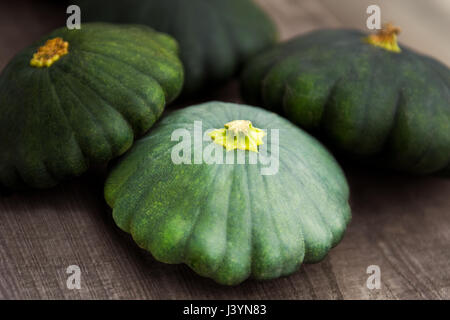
49	53
238	134
386	38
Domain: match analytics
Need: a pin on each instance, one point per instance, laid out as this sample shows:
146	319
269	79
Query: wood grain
425	24
401	224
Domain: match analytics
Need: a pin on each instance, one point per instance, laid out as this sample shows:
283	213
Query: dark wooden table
401	224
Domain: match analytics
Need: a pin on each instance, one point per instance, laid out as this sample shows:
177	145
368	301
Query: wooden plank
22	22
401	224
297	17
425	24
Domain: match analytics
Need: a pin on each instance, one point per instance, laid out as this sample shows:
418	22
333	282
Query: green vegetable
80	98
238	219
367	97
215	36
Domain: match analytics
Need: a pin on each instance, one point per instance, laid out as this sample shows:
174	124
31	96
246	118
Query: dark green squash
215	36
386	106
233	220
60	113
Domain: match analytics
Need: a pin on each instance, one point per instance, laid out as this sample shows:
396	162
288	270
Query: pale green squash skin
85	108
229	222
